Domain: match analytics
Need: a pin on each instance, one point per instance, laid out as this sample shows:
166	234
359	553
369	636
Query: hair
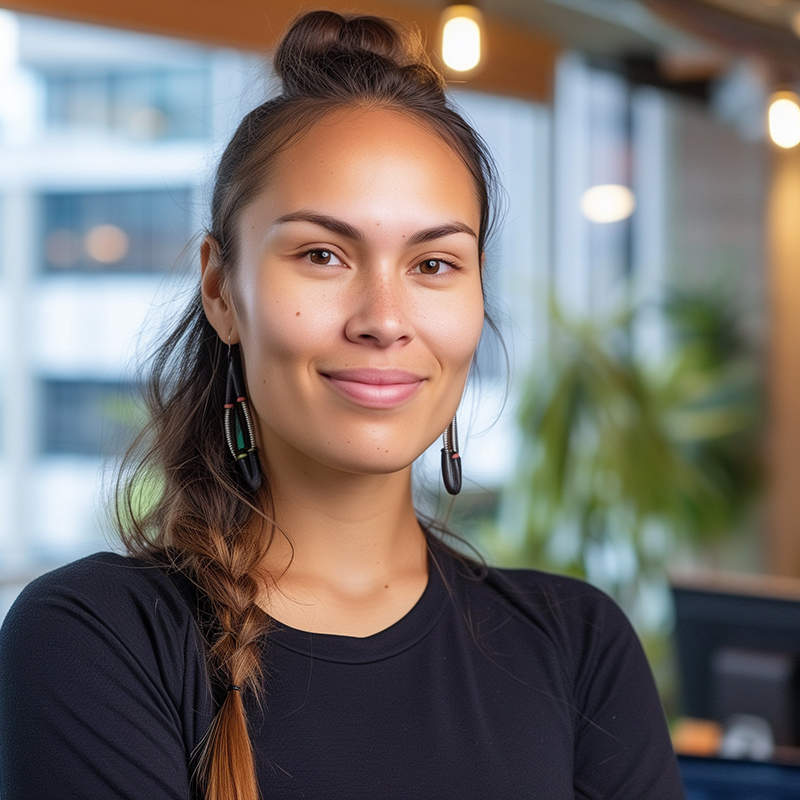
179	501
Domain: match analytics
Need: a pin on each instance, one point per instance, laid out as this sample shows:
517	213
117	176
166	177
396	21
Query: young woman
283	623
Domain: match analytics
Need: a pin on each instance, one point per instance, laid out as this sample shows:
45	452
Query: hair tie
234	688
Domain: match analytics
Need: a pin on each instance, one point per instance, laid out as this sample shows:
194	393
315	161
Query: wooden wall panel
784	369
520	62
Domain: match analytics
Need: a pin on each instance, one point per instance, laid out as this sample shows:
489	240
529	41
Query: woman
284	624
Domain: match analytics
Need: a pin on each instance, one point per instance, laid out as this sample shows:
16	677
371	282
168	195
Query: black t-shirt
518	685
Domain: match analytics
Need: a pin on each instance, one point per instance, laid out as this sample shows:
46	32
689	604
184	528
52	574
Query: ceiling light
462	37
609	202
784	119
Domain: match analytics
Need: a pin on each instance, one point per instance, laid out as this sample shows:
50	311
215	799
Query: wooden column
783	232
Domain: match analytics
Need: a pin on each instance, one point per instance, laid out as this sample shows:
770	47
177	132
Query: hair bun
324	53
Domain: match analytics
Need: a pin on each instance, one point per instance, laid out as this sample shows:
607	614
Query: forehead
374	167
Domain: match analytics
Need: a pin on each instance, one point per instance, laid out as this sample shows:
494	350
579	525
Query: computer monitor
723	779
738	648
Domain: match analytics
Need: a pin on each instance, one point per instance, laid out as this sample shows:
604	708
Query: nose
380	311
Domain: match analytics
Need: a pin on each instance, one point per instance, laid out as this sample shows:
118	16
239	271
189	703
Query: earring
451	460
239	424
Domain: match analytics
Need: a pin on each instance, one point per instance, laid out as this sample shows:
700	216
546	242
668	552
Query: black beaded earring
451	460
239	424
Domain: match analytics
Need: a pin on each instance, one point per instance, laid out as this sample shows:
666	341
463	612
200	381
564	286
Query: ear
216	300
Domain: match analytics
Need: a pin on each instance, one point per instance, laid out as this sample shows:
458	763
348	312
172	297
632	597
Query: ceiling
630	26
605	27
527	33
710	29
774	12
761	28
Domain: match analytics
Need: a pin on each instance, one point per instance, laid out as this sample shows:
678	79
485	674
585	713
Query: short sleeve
91	667
622	745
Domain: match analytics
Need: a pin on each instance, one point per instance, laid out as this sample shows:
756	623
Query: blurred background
638	421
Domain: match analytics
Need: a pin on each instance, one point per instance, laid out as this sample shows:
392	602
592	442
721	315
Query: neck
343	540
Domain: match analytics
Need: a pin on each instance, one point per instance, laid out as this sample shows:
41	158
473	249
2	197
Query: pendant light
784	119
462	37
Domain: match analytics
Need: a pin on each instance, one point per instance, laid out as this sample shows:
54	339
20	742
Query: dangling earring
451	460
239	424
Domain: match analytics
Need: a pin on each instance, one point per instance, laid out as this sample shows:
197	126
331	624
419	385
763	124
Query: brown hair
178	500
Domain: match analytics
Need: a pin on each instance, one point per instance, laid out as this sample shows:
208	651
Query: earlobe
216	304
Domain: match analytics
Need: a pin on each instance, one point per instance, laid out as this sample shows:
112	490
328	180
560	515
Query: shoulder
583	651
103	679
578	620
103	579
563	599
541	596
107	594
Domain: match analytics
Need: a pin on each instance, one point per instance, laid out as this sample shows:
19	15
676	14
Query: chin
378	461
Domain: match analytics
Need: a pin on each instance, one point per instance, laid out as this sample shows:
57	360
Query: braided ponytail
225	768
179	501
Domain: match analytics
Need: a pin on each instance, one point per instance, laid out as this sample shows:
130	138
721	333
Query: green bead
239	435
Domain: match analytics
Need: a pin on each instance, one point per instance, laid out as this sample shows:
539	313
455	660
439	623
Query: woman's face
357	294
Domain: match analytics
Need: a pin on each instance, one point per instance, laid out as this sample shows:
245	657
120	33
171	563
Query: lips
375	388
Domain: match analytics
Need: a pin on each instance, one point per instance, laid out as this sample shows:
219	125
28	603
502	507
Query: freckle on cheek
297	314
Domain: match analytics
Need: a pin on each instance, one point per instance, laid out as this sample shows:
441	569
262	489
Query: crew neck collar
389	642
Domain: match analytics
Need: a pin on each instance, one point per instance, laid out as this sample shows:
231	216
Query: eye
325	258
434	266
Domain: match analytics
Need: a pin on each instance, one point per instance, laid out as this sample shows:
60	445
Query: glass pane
139	104
88	418
136	231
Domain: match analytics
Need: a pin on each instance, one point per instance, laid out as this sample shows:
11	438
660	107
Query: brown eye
430	266
320	256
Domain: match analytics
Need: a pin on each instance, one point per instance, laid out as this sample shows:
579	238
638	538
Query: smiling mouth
375	388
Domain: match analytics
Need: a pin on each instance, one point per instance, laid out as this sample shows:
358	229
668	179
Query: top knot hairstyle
179	501
327	55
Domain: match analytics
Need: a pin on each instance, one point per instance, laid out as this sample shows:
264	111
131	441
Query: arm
622	748
90	690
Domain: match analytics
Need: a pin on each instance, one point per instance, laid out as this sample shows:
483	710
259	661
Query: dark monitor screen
721	779
738	642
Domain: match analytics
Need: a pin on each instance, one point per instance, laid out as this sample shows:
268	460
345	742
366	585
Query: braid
235	658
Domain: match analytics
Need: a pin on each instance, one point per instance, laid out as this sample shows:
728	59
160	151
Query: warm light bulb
461	37
784	119
609	202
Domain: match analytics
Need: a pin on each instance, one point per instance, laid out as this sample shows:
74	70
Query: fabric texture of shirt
516	685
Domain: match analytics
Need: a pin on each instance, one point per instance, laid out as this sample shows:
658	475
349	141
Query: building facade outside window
133	230
138	103
106	138
88	417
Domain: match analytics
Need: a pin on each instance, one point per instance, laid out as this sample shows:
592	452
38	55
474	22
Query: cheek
454	331
281	325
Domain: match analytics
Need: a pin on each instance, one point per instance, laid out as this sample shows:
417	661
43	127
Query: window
152	104
89	418
134	231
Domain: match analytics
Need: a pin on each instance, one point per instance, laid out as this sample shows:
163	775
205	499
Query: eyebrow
349	231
